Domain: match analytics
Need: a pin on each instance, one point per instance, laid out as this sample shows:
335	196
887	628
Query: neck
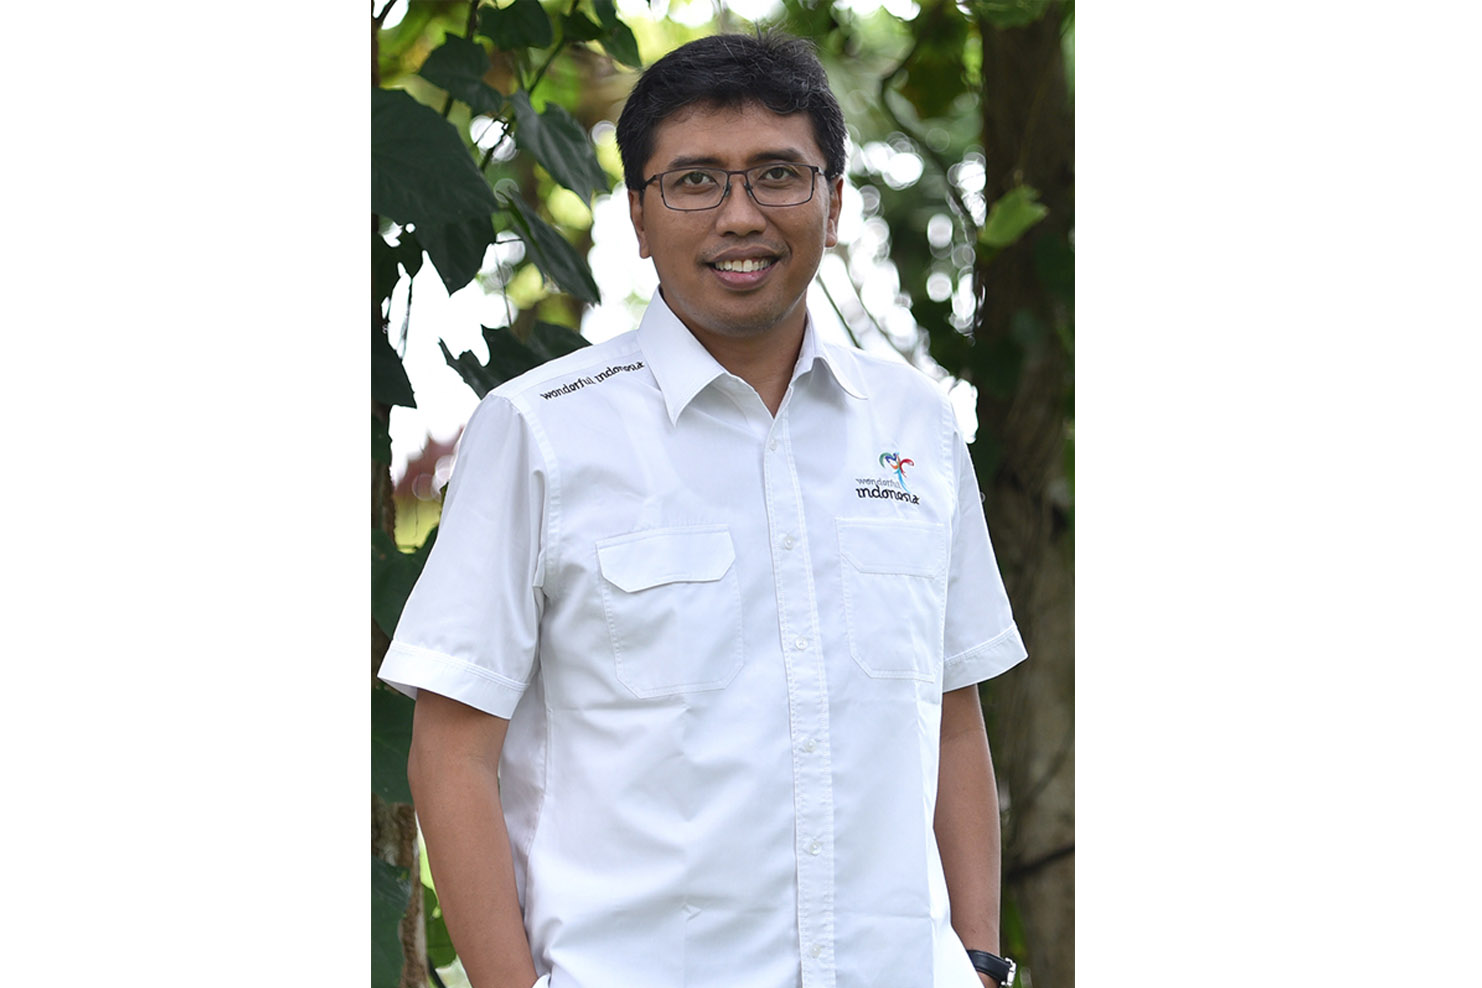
764	360
766	365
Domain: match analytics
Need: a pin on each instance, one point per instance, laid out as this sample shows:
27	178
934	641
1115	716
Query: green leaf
577	26
621	45
509	357
391	743
1010	13
389	382
523	24
474	374
385	268
459	65
439	944
420	171
1011	216
391	891
551	253
380	442
549	341
386	262
393	574
457	249
935	76
409	252
561	146
618	39
606	11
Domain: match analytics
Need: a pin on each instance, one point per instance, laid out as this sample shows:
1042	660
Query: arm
453	770
966	822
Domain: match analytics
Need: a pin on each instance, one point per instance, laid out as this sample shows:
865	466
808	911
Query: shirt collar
683	367
838	359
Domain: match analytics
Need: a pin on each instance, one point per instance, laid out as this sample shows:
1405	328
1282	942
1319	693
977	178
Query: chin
742	328
753	322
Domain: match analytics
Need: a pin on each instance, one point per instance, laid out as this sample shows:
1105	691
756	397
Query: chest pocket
895	581
673	606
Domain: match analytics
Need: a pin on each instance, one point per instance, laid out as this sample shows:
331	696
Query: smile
746	266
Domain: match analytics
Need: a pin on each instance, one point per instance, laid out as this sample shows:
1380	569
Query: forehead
732	136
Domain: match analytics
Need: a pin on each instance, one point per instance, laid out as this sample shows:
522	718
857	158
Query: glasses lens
781	183
693	188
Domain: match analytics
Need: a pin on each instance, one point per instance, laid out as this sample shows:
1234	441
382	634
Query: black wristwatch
1000	969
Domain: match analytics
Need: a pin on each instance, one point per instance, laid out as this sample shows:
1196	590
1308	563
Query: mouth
744	273
745	265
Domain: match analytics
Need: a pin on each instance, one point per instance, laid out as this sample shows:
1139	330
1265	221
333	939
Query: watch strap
1000	969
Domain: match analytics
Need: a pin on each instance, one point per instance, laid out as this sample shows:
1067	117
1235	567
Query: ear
635	213
835	204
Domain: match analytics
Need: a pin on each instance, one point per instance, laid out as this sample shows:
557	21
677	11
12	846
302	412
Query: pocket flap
905	548
672	555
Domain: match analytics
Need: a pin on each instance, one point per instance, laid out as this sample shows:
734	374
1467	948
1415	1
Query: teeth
750	264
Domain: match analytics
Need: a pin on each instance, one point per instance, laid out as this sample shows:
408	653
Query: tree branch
489	154
378	19
842	321
540	73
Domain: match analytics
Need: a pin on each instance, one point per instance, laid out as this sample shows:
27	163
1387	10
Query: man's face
698	254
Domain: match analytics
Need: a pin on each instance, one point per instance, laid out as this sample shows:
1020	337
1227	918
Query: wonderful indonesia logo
890	489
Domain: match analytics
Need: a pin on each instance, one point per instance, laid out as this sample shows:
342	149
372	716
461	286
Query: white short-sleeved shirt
721	640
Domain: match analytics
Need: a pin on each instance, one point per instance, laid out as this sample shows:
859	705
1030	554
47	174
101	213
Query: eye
693	180
777	172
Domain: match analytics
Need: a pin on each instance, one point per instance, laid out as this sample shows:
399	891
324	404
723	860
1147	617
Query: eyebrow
711	161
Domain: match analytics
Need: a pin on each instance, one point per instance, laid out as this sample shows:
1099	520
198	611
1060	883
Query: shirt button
800	644
816	950
787	542
815	847
810	745
772	445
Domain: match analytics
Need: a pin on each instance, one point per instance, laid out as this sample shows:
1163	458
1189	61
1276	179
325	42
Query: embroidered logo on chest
898	463
891	488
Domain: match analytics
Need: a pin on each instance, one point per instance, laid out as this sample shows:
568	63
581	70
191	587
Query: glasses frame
745	182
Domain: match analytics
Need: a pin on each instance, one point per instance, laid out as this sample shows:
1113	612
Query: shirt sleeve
981	637
470	628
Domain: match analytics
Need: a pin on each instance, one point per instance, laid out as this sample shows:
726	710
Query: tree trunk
394	840
1029	138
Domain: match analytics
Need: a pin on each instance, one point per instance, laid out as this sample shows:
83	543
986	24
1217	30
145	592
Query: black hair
774	70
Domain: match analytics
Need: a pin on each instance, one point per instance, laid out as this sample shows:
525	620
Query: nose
738	212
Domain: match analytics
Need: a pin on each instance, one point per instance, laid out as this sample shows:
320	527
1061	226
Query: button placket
807	694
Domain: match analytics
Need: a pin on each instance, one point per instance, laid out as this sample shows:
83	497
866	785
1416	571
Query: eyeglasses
777	183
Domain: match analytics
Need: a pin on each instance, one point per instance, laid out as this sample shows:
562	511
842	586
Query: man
695	653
